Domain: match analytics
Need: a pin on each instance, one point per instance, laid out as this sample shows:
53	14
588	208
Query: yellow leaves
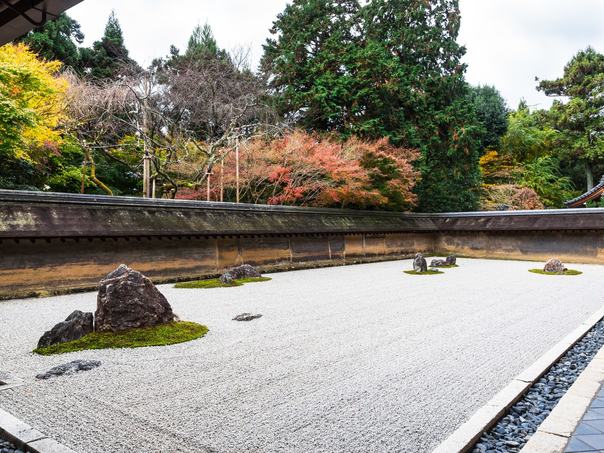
36	87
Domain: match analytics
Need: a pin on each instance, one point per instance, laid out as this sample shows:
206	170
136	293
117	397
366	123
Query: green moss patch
428	272
446	266
162	335
568	272
216	283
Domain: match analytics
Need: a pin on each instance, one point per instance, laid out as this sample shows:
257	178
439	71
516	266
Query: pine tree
580	120
108	56
57	40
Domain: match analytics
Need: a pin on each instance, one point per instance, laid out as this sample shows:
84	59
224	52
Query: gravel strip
7	447
522	420
344	359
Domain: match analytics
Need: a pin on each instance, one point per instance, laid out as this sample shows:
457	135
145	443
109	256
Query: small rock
451	260
75	326
554	266
243	271
227	278
127	299
70	368
419	263
247	317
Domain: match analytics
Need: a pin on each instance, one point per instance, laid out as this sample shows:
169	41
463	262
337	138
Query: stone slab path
347	359
589	434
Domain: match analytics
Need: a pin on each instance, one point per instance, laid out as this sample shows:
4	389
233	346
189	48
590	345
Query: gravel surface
348	359
523	419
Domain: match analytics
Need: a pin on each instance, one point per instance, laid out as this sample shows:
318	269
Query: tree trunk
589	176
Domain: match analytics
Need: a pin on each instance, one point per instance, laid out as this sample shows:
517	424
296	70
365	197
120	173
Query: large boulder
75	326
437	262
419	263
243	271
554	266
127	299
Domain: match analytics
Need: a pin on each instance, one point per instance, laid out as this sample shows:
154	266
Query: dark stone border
465	437
523	419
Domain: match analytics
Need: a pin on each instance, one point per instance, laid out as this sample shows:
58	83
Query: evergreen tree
492	113
580	120
108	56
57	40
202	44
390	68
310	63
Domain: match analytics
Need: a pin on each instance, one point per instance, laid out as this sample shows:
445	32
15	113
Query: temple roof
17	17
593	194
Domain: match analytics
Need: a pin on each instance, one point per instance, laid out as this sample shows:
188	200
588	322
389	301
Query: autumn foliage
306	170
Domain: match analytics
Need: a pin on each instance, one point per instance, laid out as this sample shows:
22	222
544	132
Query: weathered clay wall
584	246
52	243
39	266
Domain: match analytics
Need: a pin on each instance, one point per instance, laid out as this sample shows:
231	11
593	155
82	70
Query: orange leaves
307	170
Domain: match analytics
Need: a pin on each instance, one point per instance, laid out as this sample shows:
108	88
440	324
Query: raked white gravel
346	359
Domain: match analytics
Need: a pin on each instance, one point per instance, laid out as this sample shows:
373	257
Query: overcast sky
509	42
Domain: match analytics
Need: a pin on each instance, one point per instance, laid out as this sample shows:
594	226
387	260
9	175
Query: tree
512	197
390	68
107	57
213	100
31	108
492	112
544	177
529	135
309	64
580	119
57	39
202	44
307	170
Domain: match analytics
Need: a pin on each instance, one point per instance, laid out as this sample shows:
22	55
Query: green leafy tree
580	119
529	135
57	39
109	56
492	113
543	175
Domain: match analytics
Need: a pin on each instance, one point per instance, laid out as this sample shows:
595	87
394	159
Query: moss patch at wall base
162	335
216	283
567	272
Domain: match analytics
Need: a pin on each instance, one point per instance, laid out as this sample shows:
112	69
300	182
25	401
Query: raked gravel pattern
347	359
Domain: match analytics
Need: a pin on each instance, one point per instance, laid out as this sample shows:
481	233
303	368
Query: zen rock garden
127	303
130	312
555	267
279	353
420	265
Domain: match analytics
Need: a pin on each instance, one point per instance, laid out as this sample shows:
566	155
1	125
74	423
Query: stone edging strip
26	437
555	431
464	437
